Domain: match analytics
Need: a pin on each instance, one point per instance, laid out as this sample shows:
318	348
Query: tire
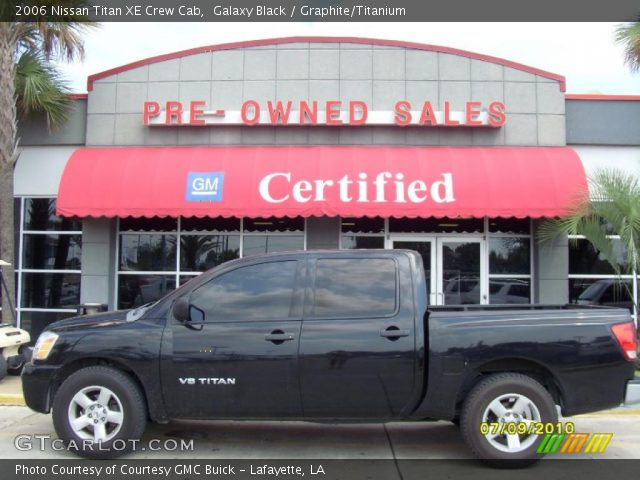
499	394
99	394
17	368
3	366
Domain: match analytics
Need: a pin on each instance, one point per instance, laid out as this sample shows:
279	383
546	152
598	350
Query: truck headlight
44	345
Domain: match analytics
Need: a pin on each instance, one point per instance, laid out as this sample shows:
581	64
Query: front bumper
37	381
632	393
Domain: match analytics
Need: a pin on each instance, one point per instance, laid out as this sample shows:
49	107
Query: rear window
355	287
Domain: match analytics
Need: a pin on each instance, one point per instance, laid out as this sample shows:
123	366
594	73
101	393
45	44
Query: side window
258	292
355	288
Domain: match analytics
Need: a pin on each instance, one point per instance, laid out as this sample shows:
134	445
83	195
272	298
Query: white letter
445	196
344	183
414	189
362	187
379	182
320	184
400	188
299	188
264	187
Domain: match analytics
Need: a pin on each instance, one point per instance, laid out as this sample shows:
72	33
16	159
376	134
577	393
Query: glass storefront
49	264
466	260
592	280
156	255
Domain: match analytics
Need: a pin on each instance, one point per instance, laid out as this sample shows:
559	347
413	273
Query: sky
585	53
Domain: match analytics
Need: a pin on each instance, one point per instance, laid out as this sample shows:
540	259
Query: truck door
237	356
357	347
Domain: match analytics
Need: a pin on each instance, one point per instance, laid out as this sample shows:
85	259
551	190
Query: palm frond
612	209
61	39
40	89
628	35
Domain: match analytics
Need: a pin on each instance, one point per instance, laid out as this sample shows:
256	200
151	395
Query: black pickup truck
330	336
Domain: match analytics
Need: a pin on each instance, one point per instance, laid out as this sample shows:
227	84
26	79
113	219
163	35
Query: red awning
320	180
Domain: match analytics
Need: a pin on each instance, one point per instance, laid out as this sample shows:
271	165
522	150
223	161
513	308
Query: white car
13	348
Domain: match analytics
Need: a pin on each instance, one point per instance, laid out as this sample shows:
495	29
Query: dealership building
173	164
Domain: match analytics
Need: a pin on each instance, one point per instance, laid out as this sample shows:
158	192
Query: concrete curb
13	400
617	411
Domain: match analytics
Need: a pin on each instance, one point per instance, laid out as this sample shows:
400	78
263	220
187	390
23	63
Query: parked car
610	292
329	335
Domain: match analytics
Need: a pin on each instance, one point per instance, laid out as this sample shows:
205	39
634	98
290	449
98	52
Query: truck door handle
394	333
278	337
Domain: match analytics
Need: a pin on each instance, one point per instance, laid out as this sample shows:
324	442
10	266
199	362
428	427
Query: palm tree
612	207
29	83
628	35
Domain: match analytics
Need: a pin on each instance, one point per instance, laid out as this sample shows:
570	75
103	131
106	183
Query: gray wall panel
550	269
595	122
98	261
317	71
34	130
323	232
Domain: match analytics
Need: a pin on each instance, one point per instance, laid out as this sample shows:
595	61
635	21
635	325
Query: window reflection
147	252
585	259
611	292
355	287
509	290
461	272
40	215
202	252
52	252
256	245
355	242
509	255
136	290
257	292
50	290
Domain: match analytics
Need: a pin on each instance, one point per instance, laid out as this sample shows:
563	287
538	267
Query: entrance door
454	267
461	279
426	247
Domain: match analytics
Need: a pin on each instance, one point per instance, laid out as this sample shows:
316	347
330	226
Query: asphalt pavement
21	427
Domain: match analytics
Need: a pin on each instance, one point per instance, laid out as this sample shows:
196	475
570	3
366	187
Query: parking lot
301	440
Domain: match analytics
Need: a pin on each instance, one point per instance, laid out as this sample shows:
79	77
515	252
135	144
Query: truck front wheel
499	418
99	412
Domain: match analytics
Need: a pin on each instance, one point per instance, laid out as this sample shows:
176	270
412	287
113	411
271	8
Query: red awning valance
320	180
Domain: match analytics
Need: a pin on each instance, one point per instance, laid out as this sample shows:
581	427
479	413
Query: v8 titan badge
205	186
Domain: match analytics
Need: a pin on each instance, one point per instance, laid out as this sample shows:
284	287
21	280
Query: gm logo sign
205	186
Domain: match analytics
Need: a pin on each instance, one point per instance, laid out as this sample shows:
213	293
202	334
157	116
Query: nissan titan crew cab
330	335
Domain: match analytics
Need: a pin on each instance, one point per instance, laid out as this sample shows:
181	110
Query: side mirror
181	309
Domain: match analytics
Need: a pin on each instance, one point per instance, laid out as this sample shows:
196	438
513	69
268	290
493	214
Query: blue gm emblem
205	186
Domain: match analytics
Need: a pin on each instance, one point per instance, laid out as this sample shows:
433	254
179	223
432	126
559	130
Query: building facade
174	164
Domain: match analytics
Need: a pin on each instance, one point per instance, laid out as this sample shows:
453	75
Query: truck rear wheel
99	412
495	408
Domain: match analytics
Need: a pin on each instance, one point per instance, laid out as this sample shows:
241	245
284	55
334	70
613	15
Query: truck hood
98	320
